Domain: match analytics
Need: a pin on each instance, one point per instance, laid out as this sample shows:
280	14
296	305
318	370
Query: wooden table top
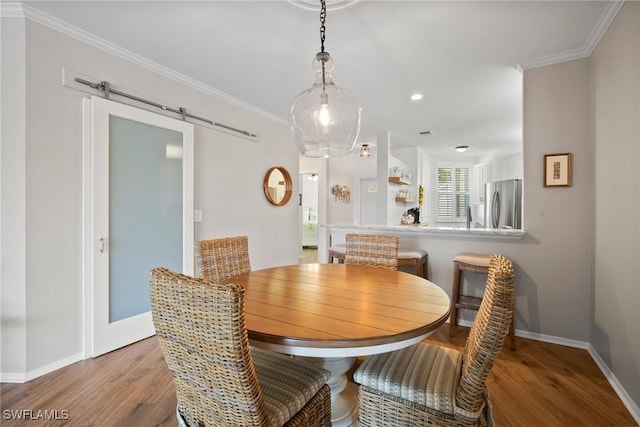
339	305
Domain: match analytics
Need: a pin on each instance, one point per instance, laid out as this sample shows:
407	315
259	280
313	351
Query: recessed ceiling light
416	97
365	151
462	148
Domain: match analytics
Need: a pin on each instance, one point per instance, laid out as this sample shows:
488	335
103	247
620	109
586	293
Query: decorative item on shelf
420	195
341	193
402	174
407	219
325	119
403	196
416	214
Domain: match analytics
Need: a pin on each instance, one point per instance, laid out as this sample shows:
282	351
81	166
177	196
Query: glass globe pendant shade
325	119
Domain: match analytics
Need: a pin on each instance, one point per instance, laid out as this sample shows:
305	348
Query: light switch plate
197	215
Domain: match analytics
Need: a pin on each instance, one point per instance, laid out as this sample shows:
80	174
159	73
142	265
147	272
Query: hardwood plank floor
309	256
540	384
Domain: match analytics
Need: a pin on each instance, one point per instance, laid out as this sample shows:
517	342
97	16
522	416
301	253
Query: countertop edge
435	230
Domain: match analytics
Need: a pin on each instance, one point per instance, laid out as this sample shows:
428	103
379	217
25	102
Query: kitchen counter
434	230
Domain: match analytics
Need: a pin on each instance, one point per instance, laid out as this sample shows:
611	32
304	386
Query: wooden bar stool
337	252
406	257
477	263
414	258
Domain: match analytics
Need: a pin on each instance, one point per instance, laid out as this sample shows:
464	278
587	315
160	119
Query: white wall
558	220
615	127
229	173
12	200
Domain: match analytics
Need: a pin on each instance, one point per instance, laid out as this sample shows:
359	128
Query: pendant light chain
323	17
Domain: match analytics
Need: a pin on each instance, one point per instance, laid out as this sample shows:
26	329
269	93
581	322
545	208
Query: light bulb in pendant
324	116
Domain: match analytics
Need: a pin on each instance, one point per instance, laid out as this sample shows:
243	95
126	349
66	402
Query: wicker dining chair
437	386
219	259
219	379
377	250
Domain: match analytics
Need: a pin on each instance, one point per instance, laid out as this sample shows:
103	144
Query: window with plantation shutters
453	192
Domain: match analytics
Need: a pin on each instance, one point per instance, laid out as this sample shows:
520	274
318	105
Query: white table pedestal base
344	394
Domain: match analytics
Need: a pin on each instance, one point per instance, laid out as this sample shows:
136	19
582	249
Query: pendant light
325	119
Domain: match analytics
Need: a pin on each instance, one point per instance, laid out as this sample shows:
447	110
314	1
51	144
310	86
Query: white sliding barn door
138	216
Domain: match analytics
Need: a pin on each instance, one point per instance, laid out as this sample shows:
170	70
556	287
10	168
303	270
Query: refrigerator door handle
495	209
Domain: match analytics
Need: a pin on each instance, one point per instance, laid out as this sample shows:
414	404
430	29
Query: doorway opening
309	217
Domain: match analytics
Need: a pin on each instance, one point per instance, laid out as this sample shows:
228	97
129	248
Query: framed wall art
557	170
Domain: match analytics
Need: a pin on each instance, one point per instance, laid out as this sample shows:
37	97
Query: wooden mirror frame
288	186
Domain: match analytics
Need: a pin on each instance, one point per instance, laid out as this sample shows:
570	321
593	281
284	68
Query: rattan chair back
219	259
487	334
207	349
377	250
219	379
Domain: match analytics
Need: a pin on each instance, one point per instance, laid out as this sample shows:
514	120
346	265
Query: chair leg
425	267
455	293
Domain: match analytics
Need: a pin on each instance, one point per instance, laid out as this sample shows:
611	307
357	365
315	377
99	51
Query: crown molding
610	12
20	9
11	9
556	58
603	23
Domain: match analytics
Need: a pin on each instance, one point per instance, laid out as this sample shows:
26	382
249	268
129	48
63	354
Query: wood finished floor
538	385
309	256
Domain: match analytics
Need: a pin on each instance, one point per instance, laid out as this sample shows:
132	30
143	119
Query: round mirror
277	186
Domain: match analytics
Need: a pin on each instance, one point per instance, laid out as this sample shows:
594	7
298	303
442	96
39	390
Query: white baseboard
12	377
538	337
617	387
552	339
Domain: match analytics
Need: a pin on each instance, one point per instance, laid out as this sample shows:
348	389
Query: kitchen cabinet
507	167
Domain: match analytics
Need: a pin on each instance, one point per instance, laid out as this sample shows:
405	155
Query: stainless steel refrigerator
503	204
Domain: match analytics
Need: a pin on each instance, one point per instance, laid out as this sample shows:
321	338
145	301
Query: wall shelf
399	180
405	200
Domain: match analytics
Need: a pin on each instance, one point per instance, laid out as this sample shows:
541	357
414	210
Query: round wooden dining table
331	313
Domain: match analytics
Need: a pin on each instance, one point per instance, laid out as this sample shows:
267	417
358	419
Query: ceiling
464	57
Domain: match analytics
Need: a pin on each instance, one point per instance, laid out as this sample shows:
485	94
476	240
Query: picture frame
557	170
